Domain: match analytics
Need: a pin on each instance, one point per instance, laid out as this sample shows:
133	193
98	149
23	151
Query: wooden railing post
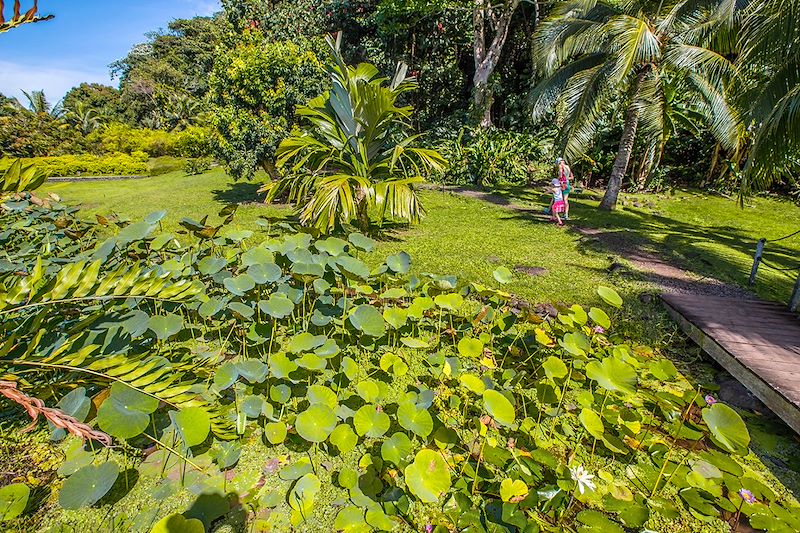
757	260
794	301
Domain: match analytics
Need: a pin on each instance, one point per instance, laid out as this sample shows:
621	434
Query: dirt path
664	277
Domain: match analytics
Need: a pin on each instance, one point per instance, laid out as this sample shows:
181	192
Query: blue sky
84	38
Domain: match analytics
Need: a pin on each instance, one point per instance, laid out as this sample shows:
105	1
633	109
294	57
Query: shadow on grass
239	192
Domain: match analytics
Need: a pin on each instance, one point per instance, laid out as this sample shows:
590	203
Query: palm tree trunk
609	201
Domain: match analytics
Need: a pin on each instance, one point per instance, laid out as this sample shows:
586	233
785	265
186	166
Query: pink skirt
559	206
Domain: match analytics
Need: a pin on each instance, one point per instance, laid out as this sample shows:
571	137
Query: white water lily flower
583	478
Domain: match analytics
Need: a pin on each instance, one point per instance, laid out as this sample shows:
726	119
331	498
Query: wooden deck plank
757	342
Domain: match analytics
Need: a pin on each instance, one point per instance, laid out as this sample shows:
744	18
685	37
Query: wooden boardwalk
757	342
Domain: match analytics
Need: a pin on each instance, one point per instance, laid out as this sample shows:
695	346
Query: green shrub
92	165
478	157
193	167
191	142
165	164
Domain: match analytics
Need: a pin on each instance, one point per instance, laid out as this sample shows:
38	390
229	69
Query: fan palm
595	54
357	152
770	46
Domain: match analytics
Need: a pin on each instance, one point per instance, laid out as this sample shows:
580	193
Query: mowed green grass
709	235
459	236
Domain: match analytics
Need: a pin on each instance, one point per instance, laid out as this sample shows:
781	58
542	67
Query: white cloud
55	81
205	8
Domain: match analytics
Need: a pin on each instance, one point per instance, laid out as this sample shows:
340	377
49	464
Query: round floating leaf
243	310
302	495
211	265
599	317
380	520
361	242
312	362
77	405
451	302
13	500
613	374
350	368
498	407
469	347
399	263
414	343
353	268
165	326
396	448
210	307
371	422
368	320
265	273
592	422
473	383
177	523
414	419
728	430
305	342
368	390
513	490
253	406
554	368
503	275
351	520
240	284
428	477
332	246
609	296
126	412
275	432
280	393
193	424
316	423
395	316
225	376
344	438
322	394
278	306
348	478
86	486
296	470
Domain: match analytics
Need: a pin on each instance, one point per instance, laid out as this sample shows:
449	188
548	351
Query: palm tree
37	103
83	118
770	45
596	54
183	111
356	152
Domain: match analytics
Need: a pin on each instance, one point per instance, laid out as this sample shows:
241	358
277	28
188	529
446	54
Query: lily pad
361	242
368	320
399	263
165	326
316	423
371	422
278	306
728	430
613	374
428	477
396	449
344	438
126	412
470	347
554	368
451	302
275	432
193	425
499	407
13	500
609	296
513	490
415	419
503	275
86	486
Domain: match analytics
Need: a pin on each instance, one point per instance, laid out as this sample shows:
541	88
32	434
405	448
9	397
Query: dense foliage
411	400
88	165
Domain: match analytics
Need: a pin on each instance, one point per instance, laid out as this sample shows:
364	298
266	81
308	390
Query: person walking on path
564	177
557	203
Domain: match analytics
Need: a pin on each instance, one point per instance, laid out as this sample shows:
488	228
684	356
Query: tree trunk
609	201
487	54
362	210
270	169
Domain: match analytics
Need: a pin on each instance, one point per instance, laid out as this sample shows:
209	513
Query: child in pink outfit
557	204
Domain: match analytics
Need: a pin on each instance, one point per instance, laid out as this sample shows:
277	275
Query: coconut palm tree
83	118
38	103
599	54
357	152
183	111
770	47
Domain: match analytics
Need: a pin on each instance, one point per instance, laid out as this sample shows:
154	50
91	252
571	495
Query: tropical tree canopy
597	54
356	152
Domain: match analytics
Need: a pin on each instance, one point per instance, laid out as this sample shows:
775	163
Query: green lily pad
211	265
323	395
193	425
499	407
281	366
371	422
316	423
428	477
597	522
728	430
350	368
126	412
361	242
344	438
503	275
351	520
13	500
165	326
353	268
399	263
275	432
368	320
513	490
75	404
395	316
368	390
278	306
599	317
239	285
470	347
414	419
305	342
592	422
296	470
257	256
86	486
396	449
613	374
177	523
472	383
610	296
332	246
263	273
451	302
554	368
312	362
301	497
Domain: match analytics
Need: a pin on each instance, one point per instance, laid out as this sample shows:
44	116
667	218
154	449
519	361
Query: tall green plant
357	153
597	53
